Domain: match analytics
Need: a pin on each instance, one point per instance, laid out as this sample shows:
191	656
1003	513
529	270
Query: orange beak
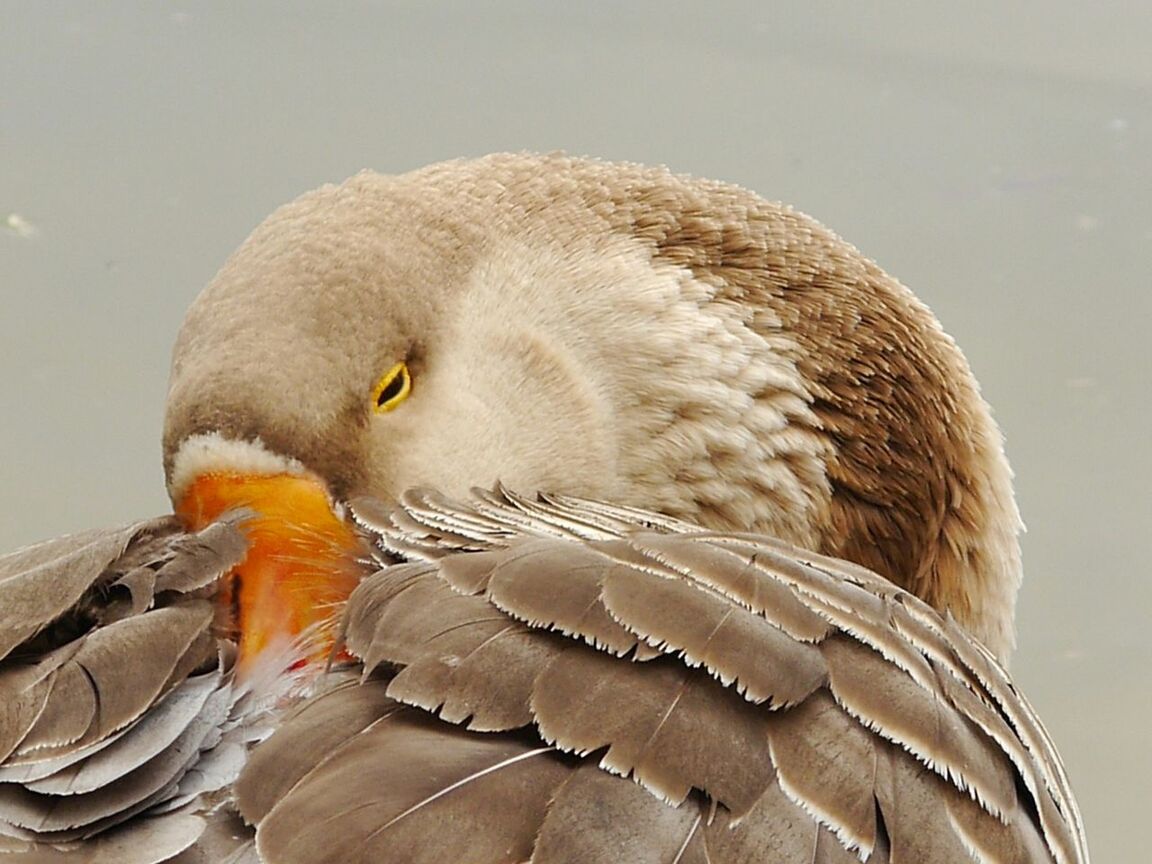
300	568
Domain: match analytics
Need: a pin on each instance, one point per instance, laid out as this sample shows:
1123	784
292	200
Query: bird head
578	327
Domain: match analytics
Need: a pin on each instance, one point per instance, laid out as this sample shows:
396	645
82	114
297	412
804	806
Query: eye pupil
393	388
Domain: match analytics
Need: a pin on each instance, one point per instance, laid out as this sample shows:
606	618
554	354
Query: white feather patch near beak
212	453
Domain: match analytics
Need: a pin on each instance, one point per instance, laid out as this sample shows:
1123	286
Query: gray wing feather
595	818
145	841
41	583
112	688
536	672
411	788
888	728
738	646
307	737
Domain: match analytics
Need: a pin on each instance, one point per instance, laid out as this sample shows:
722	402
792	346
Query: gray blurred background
998	162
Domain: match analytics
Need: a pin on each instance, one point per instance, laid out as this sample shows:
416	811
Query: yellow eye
393	388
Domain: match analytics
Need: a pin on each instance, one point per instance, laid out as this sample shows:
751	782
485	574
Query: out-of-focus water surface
998	162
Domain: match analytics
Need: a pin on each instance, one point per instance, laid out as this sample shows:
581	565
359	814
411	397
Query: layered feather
665	696
114	691
547	680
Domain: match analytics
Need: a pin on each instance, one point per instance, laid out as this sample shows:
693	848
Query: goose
539	508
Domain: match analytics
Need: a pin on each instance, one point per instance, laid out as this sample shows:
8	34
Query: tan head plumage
611	331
